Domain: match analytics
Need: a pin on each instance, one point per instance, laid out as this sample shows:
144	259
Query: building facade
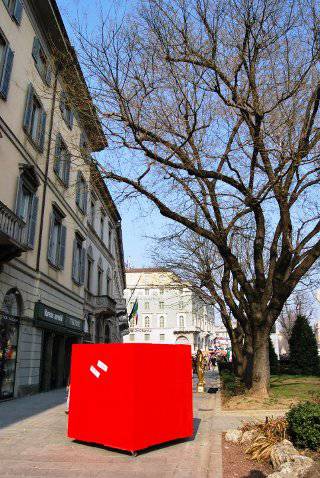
168	312
61	257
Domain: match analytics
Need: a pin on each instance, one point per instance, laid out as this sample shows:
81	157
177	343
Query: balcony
191	328
104	305
12	235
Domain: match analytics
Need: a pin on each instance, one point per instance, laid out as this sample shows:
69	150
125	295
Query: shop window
15	9
78	262
57	240
131	337
34	121
41	61
66	110
27	202
62	160
81	192
6	61
162	337
146	337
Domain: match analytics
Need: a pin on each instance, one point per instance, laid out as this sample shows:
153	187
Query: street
33	443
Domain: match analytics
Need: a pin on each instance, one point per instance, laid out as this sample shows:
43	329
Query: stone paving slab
33	443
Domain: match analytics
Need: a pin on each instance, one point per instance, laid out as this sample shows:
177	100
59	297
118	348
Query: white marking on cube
102	365
95	372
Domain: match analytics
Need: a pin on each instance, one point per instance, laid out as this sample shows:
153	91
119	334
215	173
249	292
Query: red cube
130	396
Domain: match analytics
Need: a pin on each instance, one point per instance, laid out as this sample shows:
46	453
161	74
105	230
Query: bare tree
197	263
215	109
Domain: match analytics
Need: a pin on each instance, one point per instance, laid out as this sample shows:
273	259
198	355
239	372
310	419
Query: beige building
61	258
168	311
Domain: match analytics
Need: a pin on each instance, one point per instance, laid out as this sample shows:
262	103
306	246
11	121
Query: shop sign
49	314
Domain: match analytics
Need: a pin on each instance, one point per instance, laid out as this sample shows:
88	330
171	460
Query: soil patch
237	465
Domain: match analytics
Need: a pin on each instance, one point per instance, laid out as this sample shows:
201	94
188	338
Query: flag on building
134	313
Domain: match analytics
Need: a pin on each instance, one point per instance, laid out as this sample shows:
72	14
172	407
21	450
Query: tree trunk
260	364
248	361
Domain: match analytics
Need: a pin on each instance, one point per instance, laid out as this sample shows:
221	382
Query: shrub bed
304	425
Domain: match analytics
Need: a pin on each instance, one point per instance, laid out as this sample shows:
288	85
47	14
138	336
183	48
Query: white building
168	311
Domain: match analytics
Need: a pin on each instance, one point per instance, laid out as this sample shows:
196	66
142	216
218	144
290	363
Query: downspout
45	184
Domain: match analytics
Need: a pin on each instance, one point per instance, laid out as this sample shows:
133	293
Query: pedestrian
68	396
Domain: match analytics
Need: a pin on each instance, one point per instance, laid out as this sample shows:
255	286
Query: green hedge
304	425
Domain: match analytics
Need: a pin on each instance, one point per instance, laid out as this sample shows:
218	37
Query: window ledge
54	266
61	181
33	142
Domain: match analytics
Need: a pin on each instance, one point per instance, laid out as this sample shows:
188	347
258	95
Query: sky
139	221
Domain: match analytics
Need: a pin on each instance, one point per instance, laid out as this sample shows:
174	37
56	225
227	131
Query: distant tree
304	356
273	358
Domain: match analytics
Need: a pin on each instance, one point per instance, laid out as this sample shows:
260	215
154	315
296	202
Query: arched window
161	322
12	303
181	321
147	322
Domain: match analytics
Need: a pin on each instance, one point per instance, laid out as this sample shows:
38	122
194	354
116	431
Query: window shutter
17	11
7	68
33	221
19	196
67	170
27	113
36	49
78	188
85	198
57	153
48	75
62	102
74	269
50	244
71	119
82	265
42	130
62	251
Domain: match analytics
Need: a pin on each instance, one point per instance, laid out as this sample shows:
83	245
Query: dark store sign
44	312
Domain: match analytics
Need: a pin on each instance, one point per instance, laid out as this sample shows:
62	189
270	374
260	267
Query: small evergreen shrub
304	425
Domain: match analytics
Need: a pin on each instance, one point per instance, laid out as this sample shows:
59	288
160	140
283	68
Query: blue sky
138	220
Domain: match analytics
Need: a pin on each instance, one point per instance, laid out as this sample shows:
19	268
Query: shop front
9	333
59	332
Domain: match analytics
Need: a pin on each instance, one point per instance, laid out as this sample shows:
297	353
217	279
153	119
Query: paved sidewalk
33	443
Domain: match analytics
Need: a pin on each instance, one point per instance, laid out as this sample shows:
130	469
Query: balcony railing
13	234
104	304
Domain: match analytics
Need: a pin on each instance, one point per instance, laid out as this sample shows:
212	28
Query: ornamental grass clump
269	433
304	425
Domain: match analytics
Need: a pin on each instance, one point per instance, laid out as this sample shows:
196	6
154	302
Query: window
180	305
161	305
131	337
181	322
66	110
15	9
81	192
57	240
109	286
92	212
147	337
162	337
102	217
6	61
147	291
41	61
89	272
35	117
161	322
110	236
27	202
62	161
146	305
78	262
161	291
147	322
100	276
